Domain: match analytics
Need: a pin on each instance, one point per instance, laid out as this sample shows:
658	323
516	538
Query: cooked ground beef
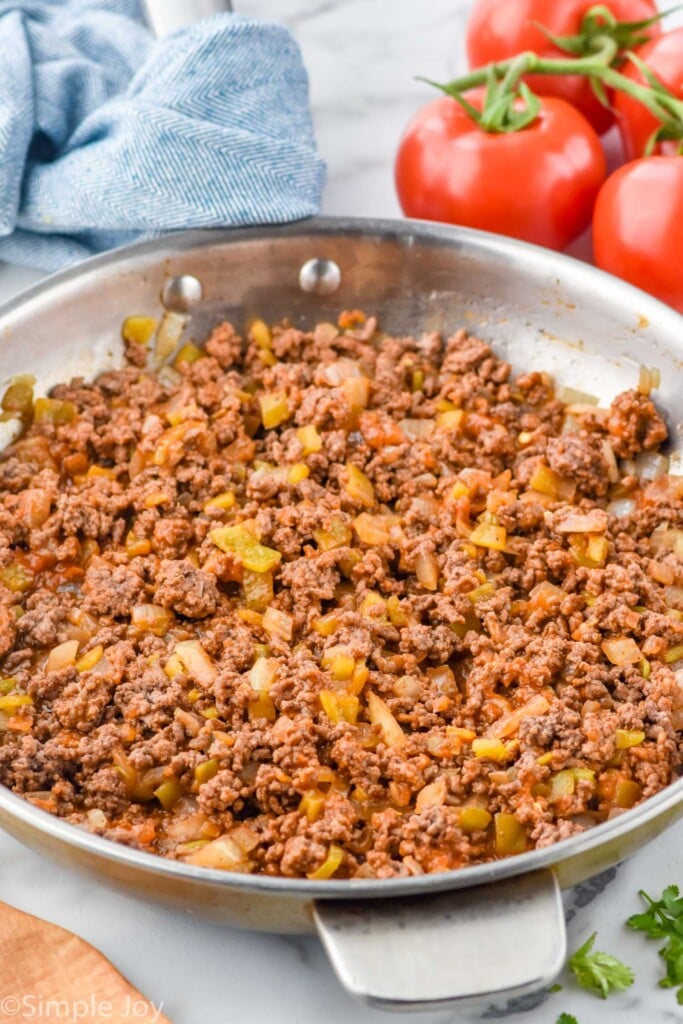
337	603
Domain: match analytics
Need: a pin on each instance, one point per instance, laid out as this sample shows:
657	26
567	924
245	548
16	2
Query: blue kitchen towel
108	135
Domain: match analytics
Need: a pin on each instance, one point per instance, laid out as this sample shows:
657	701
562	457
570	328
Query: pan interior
538	310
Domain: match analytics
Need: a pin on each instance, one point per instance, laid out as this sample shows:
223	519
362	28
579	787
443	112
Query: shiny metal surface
540	310
181	294
425	952
168	16
320	277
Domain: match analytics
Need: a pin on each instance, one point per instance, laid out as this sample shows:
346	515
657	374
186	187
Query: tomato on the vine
538	184
638	226
664	57
500	29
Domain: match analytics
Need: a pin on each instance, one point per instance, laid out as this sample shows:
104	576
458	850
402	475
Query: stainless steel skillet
404	943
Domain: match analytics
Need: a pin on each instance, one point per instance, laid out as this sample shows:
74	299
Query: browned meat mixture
337	603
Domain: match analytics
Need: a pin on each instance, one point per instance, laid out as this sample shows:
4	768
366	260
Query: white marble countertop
362	56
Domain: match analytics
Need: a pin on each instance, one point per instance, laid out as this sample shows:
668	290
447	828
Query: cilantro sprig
663	919
566	1018
599	972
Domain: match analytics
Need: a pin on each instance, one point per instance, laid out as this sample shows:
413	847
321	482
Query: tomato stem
503	111
530	63
599	22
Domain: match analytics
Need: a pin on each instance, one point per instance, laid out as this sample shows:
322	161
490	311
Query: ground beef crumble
338	603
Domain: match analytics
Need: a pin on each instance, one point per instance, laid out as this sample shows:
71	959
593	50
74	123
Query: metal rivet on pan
320	277
180	294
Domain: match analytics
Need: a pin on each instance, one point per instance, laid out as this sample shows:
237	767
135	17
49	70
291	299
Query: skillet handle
463	948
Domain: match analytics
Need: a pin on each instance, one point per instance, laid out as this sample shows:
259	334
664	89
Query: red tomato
538	184
499	29
664	56
638	226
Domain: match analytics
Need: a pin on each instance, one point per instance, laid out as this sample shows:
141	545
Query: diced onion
622	651
594	521
425	505
279	623
621	507
611	460
651	465
223	853
196	661
417	429
546	595
674	597
152	617
172	444
340	370
168	335
433	795
62	656
668	540
427	570
263	674
325	333
246	838
407	687
189	827
357	394
570	396
509	724
372	529
169	377
96	818
661	572
649	379
379	714
586	409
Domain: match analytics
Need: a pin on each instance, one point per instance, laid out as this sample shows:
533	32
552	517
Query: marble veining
362	56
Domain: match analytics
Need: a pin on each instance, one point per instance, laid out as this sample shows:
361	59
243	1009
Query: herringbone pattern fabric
107	135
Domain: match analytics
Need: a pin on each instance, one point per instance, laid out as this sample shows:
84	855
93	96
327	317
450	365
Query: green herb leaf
648	924
599	972
566	1018
672	955
663	919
